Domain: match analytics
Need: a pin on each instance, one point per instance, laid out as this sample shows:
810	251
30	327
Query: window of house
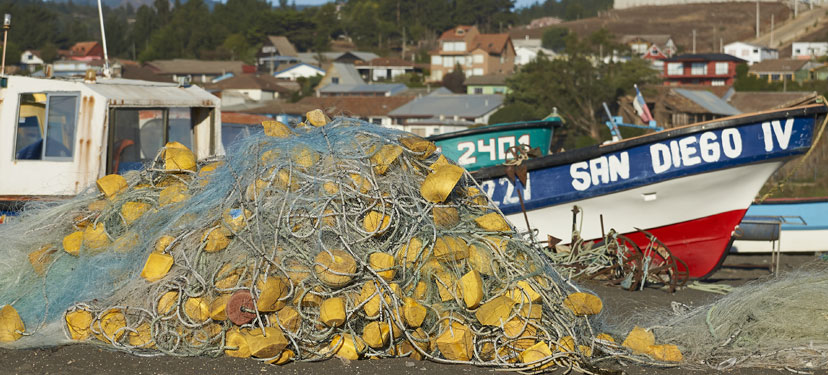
137	134
721	68
789	76
437	75
436	60
718	82
448	62
755	50
376	121
448	46
460	60
478	59
478	90
698	69
477	71
46	124
335	80
775	77
675	69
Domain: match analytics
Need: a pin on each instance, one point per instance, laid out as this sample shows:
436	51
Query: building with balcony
708	69
478	54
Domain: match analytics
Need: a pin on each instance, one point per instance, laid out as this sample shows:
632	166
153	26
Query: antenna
106	72
6	27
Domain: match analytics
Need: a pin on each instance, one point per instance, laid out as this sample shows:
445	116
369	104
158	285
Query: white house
31	60
751	52
527	50
809	50
294	71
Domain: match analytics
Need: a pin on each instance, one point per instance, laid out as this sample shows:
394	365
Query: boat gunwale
590	152
551	124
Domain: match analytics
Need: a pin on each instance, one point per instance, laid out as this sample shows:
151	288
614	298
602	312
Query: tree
454	80
554	38
576	85
49	52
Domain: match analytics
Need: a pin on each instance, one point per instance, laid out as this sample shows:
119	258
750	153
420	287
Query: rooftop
709	102
191	66
449	105
251	81
779	65
704	57
364	88
488	79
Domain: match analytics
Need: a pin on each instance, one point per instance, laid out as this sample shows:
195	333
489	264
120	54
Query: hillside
713	23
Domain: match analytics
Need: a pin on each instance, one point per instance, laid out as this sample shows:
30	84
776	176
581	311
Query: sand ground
88	359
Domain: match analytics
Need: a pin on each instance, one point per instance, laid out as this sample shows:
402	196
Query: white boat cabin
59	136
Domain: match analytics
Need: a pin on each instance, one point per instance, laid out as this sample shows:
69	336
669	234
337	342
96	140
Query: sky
518	3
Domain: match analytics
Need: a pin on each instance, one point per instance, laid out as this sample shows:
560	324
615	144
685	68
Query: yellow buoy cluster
318	240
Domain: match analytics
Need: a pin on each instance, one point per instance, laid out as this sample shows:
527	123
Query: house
275	51
757	101
297	70
440	112
486	85
250	87
279	110
30	60
197	71
362	89
784	69
347	57
820	73
650	46
478	54
86	51
685	106
527	50
709	69
750	52
383	68
373	109
809	50
74	68
341	74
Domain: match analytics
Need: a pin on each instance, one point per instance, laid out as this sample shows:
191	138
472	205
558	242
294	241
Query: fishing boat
487	146
58	136
798	224
688	186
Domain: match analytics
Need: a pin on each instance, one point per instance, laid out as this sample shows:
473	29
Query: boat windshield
138	134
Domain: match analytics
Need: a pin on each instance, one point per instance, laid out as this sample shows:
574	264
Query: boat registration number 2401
495	147
651	162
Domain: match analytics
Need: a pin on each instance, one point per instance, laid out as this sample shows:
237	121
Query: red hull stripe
701	243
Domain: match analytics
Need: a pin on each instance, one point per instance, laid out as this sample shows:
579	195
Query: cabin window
46	116
138	134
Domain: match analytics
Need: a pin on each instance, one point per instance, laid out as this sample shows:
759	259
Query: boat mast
106	71
6	27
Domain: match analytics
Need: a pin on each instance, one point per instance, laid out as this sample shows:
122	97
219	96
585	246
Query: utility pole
771	41
694	40
757	19
796	8
721	45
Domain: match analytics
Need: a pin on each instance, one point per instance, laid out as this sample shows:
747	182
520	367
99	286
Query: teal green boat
486	146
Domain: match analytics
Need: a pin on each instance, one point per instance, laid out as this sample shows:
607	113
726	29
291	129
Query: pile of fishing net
325	239
776	323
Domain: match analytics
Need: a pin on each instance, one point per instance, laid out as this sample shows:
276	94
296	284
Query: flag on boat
641	107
